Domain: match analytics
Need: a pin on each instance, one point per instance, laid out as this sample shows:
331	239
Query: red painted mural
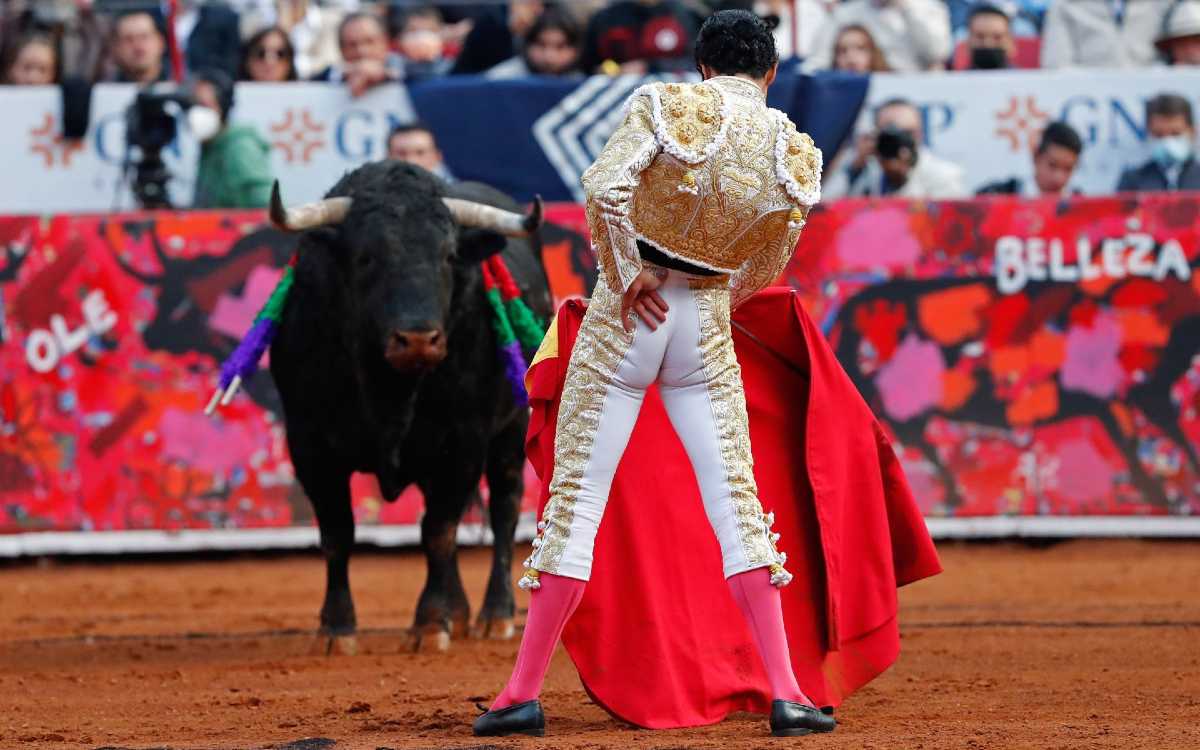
1029	358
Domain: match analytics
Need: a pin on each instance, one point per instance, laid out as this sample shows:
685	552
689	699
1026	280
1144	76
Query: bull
386	363
1050	308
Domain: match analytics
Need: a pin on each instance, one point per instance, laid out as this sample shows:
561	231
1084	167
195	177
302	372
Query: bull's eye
365	261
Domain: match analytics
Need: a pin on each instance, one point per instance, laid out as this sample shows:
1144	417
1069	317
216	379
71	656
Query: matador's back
706	173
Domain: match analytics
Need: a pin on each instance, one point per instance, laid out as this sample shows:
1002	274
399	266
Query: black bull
386	362
1050	305
375	406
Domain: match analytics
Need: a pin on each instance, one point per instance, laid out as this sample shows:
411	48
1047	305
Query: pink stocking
550	606
761	606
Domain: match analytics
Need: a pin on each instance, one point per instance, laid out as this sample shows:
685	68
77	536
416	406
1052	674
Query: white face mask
1170	151
204	122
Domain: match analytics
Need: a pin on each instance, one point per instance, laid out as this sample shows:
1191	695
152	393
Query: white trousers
692	359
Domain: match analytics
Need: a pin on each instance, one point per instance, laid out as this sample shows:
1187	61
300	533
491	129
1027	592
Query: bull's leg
912	433
443	607
329	491
505	475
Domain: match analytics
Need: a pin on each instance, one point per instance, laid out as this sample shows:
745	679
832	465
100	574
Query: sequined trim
600	348
690	119
728	402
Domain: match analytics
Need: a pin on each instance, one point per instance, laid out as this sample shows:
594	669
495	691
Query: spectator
1172	141
420	42
1112	34
796	32
1180	38
551	48
208	34
366	61
311	27
34	62
640	36
893	161
415	144
138	45
496	36
1025	16
912	34
990	38
268	56
854	51
1053	164
235	164
77	31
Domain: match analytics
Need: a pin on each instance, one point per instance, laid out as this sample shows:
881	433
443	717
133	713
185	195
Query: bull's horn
483	216
308	216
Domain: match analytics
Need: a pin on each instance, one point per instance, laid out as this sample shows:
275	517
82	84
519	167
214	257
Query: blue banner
537	135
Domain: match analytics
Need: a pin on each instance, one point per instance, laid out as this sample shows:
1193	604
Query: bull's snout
415	350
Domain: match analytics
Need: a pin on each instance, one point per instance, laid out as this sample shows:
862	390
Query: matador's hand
643	298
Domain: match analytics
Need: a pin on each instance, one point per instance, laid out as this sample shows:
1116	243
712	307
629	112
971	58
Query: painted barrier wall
1035	361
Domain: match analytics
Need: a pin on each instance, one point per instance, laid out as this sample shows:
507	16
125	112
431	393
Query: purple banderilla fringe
243	361
514	370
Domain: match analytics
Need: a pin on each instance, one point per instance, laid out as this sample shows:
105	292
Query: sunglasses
266	53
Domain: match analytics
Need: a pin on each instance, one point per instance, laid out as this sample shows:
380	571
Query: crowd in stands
363	43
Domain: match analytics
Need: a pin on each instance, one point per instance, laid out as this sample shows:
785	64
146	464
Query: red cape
658	639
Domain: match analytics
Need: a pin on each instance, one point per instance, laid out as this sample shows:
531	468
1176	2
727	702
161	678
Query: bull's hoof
429	638
495	628
327	644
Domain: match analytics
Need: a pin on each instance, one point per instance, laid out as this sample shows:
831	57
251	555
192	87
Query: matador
696	202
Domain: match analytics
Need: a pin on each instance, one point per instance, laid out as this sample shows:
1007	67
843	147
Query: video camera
151	125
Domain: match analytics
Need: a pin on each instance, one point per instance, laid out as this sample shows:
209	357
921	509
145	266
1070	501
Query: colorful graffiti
1029	358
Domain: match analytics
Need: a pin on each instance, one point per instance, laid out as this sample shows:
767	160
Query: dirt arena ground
1087	644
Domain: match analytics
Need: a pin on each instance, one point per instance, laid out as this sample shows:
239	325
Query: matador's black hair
736	41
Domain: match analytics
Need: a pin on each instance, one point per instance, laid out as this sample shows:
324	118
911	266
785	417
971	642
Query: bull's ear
475	245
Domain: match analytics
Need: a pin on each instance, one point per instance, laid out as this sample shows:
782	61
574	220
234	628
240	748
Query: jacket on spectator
1089	33
1017	186
214	41
661	33
489	43
396	67
235	170
931	177
516	67
1150	177
912	34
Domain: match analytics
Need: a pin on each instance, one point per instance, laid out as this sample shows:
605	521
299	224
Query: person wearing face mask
990	38
1172	140
235	166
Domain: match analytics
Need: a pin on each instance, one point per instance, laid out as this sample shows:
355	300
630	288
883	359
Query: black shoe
520	718
790	719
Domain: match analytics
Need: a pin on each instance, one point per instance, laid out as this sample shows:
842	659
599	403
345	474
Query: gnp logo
1021	122
47	141
297	135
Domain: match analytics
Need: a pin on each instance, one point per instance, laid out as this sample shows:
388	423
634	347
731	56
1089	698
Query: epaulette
798	163
690	119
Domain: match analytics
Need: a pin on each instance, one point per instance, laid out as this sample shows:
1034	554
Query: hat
1182	20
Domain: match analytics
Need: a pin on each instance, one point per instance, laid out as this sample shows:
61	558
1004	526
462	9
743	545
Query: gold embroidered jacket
706	173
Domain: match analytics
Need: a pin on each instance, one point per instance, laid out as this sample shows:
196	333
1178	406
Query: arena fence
1038	363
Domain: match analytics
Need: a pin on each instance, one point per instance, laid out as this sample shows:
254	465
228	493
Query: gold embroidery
764	268
600	348
731	208
724	378
803	162
609	184
693	114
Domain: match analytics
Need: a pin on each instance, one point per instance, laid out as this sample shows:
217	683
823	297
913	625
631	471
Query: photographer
235	169
891	160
